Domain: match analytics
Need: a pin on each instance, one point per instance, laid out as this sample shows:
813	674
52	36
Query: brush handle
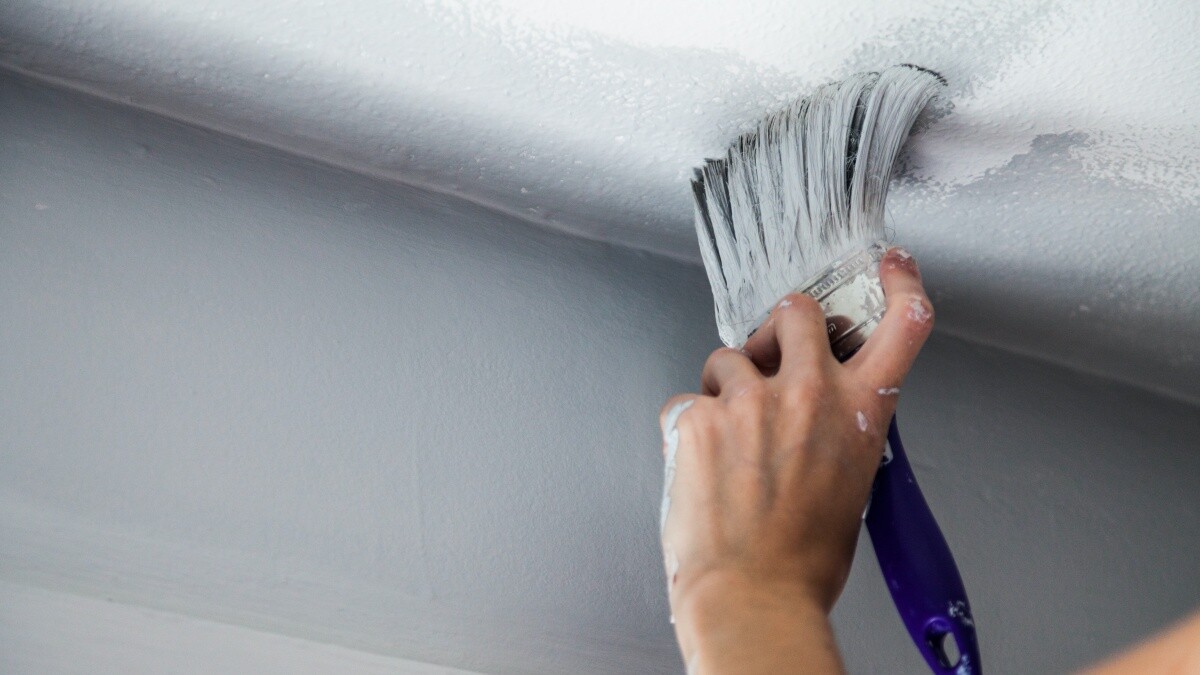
919	568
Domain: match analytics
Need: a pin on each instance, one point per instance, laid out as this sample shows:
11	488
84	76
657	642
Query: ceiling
1054	200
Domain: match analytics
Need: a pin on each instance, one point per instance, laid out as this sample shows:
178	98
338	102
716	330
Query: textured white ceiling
1053	198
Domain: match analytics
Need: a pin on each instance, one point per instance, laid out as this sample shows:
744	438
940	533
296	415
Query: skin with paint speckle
769	470
768	473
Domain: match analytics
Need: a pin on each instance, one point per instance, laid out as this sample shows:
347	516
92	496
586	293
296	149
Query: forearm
737	626
1176	651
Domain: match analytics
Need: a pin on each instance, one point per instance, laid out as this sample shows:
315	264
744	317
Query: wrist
731	622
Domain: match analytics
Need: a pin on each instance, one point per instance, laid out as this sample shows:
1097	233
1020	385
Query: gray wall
243	386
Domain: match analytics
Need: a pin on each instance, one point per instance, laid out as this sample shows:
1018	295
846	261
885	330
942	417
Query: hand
768	473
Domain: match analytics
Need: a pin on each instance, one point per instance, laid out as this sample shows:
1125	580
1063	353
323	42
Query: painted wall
43	631
1054	199
248	390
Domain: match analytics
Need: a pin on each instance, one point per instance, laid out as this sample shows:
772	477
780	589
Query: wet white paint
959	610
861	420
671	445
888	391
918	311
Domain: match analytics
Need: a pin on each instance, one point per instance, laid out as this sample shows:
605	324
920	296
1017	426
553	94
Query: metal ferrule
851	294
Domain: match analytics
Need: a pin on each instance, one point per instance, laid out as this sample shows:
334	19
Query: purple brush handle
918	566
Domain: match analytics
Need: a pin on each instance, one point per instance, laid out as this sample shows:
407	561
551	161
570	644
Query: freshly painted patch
1065	125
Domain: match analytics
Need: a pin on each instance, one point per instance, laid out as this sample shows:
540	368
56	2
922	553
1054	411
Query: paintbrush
797	204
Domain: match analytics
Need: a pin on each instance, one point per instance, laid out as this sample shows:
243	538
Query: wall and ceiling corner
1054	207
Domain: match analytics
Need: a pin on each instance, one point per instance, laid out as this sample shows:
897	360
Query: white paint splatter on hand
785	303
917	311
671	442
888	391
862	421
671	562
903	254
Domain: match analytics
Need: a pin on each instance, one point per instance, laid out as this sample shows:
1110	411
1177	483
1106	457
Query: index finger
889	353
792	339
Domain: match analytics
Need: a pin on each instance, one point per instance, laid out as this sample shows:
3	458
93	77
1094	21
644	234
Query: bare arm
1174	652
772	467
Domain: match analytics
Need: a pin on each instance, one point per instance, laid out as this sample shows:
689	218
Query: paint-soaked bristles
807	185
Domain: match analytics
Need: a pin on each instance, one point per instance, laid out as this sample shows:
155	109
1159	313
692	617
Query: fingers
890	351
724	368
793	339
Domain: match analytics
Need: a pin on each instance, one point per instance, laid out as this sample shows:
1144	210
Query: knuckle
722	353
804	391
800	304
802	411
719	355
751	397
716	353
804	313
758	390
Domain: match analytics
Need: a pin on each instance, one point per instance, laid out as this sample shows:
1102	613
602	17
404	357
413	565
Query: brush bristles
809	184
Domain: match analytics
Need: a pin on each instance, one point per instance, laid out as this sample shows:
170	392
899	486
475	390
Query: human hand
769	472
